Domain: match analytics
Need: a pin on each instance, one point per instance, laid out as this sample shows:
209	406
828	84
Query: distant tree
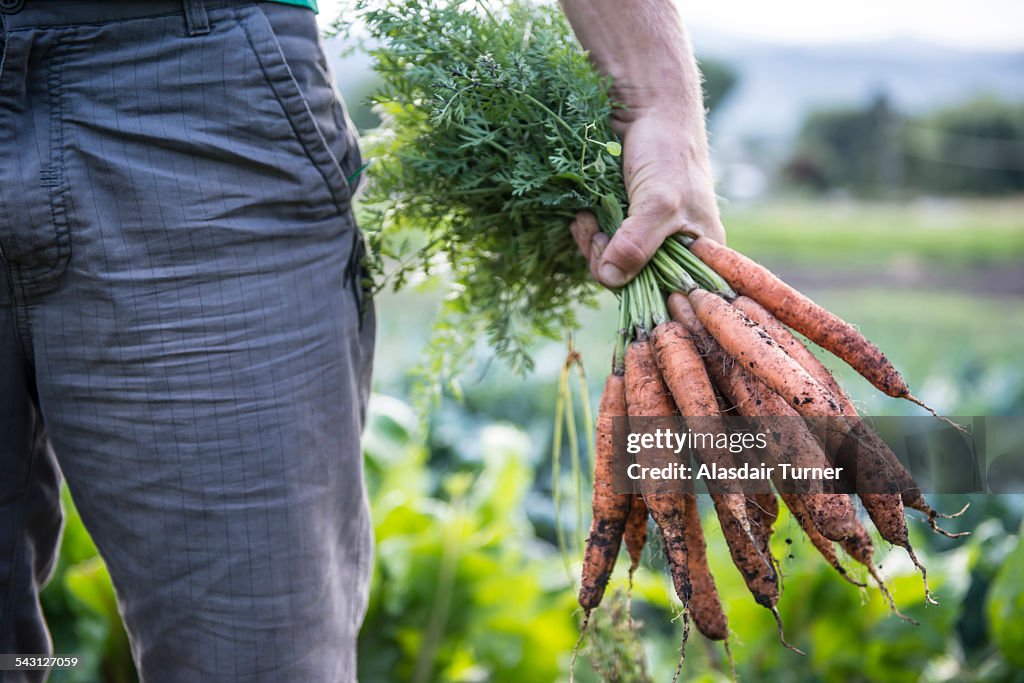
972	148
719	79
854	148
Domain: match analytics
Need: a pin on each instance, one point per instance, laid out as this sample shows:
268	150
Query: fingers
632	246
616	260
589	238
583	230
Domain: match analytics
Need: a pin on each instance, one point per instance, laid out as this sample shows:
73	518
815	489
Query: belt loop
195	17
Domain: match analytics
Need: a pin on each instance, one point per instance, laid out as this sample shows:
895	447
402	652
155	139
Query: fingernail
612	275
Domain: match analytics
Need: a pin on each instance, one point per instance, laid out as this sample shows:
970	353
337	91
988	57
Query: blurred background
873	155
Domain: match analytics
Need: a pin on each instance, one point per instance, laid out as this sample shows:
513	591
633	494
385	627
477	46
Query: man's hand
643	47
670	191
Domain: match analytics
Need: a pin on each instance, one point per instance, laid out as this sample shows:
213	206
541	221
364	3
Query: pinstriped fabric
181	312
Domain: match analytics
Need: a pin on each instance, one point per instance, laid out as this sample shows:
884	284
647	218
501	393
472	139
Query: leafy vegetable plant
495	134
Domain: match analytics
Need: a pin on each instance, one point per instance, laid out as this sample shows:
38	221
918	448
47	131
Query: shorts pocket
291	59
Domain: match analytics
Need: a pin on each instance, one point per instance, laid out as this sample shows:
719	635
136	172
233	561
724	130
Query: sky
966	24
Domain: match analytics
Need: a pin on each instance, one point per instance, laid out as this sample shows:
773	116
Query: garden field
469	584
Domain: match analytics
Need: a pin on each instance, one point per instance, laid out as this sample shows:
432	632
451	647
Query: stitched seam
338	194
55	176
22	328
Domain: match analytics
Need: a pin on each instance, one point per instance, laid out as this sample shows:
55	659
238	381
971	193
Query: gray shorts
182	329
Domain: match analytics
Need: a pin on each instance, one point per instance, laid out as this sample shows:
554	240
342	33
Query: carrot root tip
732	662
782	635
948	534
889	599
928	596
682	644
935	513
846	575
958	427
579	644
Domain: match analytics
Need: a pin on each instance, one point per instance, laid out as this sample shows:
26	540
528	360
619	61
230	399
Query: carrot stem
700	270
659	313
636	317
622	338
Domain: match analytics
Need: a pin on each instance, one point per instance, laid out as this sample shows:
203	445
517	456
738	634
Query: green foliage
81	609
1005	606
850	148
974	148
719	80
459	594
495	133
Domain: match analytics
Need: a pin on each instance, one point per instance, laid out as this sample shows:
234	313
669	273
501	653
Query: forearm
642	45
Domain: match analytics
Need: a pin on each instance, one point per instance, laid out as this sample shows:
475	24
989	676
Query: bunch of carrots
731	350
495	134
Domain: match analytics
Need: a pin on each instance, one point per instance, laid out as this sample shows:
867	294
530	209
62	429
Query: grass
949	233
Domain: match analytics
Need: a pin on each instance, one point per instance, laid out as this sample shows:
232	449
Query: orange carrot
761	578
757	571
705	605
832	513
646	396
823	545
886	512
863	466
636	531
908	488
682	370
795	349
758	353
610	508
796	310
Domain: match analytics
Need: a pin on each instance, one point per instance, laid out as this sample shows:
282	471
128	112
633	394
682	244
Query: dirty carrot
823	545
832	513
705	604
610	508
762	580
758	353
683	371
795	309
794	348
646	396
909	490
635	535
859	547
886	512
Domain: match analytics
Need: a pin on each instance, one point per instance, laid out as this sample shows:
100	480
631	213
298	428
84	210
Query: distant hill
778	84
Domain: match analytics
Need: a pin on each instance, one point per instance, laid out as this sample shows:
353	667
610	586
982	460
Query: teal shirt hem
308	4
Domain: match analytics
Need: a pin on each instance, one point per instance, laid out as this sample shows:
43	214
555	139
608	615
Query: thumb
630	248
